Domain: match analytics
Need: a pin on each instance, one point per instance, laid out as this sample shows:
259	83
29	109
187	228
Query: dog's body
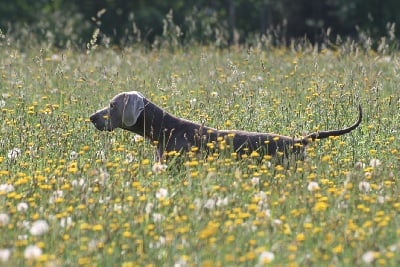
132	112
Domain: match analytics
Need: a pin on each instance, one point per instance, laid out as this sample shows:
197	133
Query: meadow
74	196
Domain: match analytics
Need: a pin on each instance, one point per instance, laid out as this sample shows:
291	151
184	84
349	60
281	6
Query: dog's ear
133	106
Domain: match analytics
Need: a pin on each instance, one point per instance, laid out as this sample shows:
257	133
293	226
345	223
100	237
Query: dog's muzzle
100	122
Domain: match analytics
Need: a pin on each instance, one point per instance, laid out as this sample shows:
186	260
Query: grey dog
133	112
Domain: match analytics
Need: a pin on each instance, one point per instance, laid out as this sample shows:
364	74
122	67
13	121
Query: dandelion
158	167
14	153
32	252
181	263
359	165
101	155
313	186
369	256
161	193
192	102
255	181
4	219
364	187
222	202
22	207
76	183
129	158
6	188
265	257
73	155
39	227
5	255
210	204
65	222
375	163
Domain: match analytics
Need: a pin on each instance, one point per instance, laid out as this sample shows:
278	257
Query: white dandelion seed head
368	257
158	217
210	204
14	153
4	219
129	158
5	255
73	155
39	227
161	193
101	155
158	168
364	187
6	188
22	207
312	186
222	201
76	183
32	252
181	263
359	165
255	181
66	222
375	163
265	257
149	207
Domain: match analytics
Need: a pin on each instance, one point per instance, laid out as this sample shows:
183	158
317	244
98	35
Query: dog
133	112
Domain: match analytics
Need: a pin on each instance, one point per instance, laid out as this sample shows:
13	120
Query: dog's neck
170	132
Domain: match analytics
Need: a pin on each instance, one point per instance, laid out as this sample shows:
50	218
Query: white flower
22	206
73	155
39	227
32	252
222	201
129	158
5	255
265	257
374	163
369	256
14	153
210	204
65	222
7	188
2	103
158	217
364	186
76	183
255	181
181	263
161	193
313	186
192	102
158	167
4	219
101	155
149	207
359	165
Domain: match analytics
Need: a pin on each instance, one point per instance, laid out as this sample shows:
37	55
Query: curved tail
325	134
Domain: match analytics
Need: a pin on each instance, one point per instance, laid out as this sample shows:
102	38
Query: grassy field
71	195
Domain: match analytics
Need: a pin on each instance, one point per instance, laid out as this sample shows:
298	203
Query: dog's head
123	111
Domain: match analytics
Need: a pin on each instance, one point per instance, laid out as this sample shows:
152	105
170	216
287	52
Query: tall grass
71	195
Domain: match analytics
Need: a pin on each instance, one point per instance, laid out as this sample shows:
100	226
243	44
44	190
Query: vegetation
71	23
73	196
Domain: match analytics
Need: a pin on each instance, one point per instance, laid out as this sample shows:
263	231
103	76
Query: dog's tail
325	134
